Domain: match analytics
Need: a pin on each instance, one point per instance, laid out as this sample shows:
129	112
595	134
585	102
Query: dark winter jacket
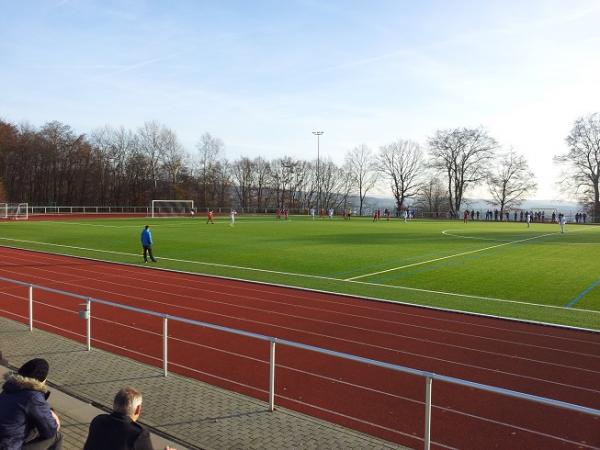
23	407
117	432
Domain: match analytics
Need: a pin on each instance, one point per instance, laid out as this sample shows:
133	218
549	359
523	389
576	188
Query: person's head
128	402
146	227
36	368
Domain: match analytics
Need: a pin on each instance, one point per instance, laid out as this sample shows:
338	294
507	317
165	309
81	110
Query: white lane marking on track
125	269
430	341
366	388
447	410
353	327
334	412
352	341
129	269
317	277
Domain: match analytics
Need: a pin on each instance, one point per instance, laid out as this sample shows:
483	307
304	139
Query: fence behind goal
16	211
302	377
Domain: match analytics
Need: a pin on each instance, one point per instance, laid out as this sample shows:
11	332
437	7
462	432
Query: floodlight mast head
318	134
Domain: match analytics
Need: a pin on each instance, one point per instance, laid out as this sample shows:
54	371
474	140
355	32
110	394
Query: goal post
171	208
14	211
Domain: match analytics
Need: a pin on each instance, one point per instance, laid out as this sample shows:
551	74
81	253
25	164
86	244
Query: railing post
272	376
427	437
30	307
165	344
88	308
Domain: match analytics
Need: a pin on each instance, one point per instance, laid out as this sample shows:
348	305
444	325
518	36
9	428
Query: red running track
547	361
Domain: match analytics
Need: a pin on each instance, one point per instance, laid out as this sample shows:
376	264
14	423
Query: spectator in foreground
26	420
120	430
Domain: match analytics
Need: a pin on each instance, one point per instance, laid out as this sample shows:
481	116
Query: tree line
111	166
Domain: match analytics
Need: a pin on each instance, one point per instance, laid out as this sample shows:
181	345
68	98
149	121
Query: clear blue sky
261	75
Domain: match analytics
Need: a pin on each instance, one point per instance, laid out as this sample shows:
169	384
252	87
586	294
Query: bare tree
306	190
113	166
432	197
150	144
300	176
209	149
510	182
53	164
463	154
582	162
335	185
172	155
344	188
243	173
164	153
221	182
114	148
11	145
402	164
69	160
360	166
283	180
263	179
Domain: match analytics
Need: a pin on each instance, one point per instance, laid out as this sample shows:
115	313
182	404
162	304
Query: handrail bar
373	362
57	291
519	395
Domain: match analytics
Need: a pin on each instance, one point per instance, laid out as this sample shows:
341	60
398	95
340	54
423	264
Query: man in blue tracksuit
147	244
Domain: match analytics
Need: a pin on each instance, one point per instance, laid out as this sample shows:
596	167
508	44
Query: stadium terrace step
189	413
75	416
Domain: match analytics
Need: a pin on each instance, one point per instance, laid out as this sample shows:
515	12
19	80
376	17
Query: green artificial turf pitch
503	269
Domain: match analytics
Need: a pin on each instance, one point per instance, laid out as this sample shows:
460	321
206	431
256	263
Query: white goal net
172	208
15	211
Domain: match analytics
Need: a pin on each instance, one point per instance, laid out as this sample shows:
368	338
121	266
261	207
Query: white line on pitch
446	257
302	275
228	266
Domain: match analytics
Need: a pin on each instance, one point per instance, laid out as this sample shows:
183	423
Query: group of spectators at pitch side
28	422
519	216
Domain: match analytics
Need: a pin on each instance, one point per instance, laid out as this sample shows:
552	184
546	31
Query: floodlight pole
318	134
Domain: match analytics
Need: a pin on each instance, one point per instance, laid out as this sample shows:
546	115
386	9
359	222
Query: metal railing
86	314
368	211
56	209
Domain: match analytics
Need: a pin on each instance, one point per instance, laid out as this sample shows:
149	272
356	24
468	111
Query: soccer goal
14	211
172	208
